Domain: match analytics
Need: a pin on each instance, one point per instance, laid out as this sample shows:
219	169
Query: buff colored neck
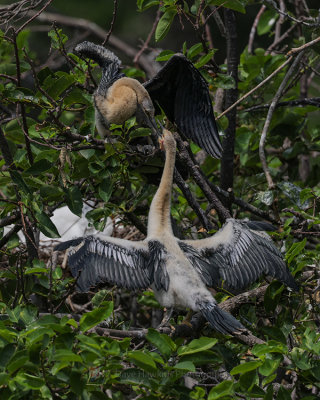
159	214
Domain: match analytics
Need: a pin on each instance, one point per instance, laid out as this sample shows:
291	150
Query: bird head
108	61
167	141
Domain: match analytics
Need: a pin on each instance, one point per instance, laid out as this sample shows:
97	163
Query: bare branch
33	17
114	15
254	28
146	43
312	101
255	88
269	117
301	48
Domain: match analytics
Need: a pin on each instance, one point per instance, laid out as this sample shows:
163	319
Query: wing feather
183	94
241	256
94	261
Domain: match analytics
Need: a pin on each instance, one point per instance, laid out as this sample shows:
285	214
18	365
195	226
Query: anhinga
178	88
179	271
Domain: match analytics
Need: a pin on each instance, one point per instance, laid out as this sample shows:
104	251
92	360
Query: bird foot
166	318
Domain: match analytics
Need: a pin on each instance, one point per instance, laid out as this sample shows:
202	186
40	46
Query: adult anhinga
178	88
179	271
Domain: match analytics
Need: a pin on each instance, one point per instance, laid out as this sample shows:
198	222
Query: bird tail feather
221	320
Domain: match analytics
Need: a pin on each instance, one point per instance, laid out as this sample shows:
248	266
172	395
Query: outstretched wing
94	261
241	256
183	94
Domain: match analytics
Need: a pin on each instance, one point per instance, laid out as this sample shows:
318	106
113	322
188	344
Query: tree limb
269	117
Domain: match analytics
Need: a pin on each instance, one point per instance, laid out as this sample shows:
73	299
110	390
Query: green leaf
295	249
93	318
165	55
232	4
46	226
197	345
165	23
145	4
18	180
204	59
221	390
17	361
245	367
266	21
224	81
195	50
66	356
105	189
74	200
6	353
187	365
51	192
269	366
142	360
58	84
283	394
30	381
134	376
38	167
162	342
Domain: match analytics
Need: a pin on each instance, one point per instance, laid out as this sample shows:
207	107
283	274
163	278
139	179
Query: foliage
54	158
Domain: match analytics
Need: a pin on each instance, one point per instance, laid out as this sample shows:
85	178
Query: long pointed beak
154	127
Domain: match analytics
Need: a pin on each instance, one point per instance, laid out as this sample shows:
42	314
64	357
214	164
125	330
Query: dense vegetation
56	344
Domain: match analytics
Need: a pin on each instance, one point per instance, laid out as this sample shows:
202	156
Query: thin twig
311	101
281	38
273	4
114	15
269	117
146	43
277	31
24	126
255	88
33	17
301	48
254	28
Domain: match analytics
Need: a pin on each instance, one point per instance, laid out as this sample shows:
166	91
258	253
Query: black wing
241	256
94	261
183	94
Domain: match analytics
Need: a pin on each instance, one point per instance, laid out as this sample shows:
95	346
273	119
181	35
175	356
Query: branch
201	181
255	88
269	117
305	46
254	28
273	4
4	147
281	38
84	24
243	204
114	15
5	239
312	101
191	200
35	15
227	160
146	43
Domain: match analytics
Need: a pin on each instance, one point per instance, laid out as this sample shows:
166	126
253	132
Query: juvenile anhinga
178	88
179	271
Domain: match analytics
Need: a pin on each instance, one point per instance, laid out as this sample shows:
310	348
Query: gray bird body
179	272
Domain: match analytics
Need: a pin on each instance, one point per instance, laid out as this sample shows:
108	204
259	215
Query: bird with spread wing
179	271
178	88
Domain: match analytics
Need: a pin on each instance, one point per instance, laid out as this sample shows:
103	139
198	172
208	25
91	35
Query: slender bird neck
159	214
